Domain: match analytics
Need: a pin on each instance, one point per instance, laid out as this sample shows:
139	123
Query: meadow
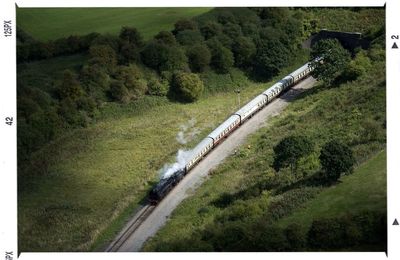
52	23
88	182
245	195
79	189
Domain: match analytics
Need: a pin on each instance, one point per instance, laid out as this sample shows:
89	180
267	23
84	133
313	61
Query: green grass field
345	112
52	23
86	183
364	190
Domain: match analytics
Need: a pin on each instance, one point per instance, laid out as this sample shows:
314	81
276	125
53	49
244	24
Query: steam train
224	129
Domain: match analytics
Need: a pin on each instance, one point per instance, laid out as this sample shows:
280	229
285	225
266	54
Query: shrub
187	87
157	88
119	92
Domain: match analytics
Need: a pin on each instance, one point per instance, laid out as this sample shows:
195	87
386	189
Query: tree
165	37
104	56
221	57
70	87
184	24
336	158
335	60
132	36
271	56
243	50
129	53
211	29
289	151
131	79
95	81
189	37
187	87
199	57
163	57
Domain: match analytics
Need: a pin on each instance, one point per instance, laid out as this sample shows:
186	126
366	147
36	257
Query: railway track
131	228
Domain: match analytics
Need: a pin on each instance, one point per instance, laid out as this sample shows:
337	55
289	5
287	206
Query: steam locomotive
224	129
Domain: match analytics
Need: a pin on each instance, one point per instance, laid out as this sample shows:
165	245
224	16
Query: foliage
184	24
271	56
199	57
335	60
163	57
346	231
336	158
221	57
187	87
132	36
289	151
243	50
70	86
357	66
157	87
103	56
189	37
166	38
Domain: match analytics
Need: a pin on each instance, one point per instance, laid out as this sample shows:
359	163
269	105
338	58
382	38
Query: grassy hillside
235	208
80	181
91	176
52	23
364	190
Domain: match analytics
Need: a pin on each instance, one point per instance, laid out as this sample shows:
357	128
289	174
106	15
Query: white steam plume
183	137
181	158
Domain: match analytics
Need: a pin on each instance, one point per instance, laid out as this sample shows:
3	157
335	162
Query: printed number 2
9	120
395	37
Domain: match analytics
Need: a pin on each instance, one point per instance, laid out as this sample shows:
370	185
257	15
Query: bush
157	88
199	57
187	87
119	92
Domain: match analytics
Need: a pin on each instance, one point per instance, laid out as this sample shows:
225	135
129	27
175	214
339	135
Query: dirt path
197	175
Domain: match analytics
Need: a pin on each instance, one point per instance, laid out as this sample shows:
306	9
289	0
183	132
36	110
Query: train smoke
181	157
183	135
